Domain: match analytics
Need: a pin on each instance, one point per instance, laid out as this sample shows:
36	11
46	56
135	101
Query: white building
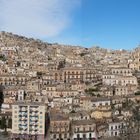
119	76
116	128
83	129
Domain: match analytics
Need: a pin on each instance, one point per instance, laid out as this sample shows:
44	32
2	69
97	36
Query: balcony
23	110
34	123
34	110
23	119
22	128
33	130
33	115
22	115
23	123
34	118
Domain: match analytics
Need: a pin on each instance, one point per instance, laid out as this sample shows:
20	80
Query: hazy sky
108	23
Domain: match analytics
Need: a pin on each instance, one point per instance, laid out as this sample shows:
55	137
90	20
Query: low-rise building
59	126
83	129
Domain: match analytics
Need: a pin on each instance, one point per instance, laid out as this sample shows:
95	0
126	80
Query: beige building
119	76
28	120
73	74
83	129
93	103
59	126
136	58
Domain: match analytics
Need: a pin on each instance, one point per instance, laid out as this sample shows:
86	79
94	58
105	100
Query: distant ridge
10	39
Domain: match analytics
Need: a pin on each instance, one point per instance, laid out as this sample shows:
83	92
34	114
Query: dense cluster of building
59	92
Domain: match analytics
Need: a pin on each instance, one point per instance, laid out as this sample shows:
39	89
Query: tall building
28	120
136	58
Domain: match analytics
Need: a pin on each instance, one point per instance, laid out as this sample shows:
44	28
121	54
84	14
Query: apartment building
136	58
28	120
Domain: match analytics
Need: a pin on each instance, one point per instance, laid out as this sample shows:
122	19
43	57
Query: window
54	136
78	136
116	134
111	133
65	135
90	135
84	136
106	104
60	136
119	126
78	129
84	129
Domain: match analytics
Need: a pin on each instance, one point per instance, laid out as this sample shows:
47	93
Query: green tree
82	54
3	124
137	93
10	123
2	57
1	96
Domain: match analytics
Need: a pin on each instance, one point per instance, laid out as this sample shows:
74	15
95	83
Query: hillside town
62	92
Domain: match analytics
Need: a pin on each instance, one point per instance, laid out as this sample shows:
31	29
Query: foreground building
28	120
